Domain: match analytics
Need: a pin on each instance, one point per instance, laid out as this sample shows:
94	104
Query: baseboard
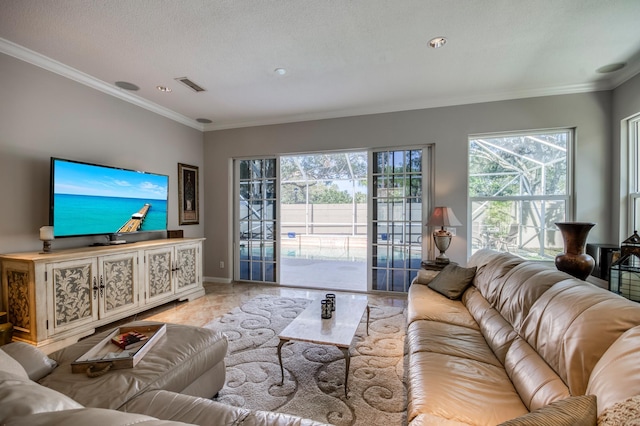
217	280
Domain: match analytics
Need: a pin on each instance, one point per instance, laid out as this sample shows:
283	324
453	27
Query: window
519	186
634	173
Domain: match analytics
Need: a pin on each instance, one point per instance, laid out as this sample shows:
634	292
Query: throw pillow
452	281
572	411
32	359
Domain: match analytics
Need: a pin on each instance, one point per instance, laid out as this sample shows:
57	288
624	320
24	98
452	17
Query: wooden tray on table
106	355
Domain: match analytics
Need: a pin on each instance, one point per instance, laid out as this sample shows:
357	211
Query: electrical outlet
221	264
452	230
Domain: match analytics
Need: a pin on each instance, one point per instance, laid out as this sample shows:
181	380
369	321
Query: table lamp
442	217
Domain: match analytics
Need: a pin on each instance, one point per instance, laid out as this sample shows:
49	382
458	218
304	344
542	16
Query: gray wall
626	103
43	114
448	128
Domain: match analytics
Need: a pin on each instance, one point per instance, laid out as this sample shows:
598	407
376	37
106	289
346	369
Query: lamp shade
443	216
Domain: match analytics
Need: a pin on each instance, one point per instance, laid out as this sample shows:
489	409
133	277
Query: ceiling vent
193	86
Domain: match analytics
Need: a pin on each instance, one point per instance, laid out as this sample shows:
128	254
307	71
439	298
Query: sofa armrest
173	406
89	416
424	276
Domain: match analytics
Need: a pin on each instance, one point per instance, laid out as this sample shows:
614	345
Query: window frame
633	195
390	274
568	197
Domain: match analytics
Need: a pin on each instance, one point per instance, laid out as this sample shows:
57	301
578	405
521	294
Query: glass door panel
256	220
397	218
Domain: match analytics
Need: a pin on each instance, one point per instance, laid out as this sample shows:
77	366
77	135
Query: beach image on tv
90	199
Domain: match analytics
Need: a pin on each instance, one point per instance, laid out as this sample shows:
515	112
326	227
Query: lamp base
442	240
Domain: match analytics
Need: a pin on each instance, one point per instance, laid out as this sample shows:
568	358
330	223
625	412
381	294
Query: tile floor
221	298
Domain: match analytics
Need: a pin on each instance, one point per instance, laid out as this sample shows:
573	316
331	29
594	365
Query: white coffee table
337	331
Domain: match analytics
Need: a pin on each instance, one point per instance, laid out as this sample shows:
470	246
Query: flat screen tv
91	199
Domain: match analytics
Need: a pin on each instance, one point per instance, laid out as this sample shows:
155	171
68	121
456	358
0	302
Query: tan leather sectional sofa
522	336
170	386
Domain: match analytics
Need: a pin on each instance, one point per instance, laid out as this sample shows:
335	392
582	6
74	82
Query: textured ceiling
344	57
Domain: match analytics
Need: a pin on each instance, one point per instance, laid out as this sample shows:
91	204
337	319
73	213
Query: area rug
314	374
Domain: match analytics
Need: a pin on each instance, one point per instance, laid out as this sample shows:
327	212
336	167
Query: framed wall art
189	203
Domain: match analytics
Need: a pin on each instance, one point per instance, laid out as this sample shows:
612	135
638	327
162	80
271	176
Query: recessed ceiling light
280	71
204	120
611	67
126	85
437	42
164	89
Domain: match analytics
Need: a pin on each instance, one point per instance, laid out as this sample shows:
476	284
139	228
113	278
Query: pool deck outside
324	274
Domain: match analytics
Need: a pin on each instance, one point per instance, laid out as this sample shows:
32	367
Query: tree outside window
519	186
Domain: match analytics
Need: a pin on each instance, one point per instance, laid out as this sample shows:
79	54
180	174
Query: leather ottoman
187	360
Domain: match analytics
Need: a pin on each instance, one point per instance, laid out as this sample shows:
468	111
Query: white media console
56	298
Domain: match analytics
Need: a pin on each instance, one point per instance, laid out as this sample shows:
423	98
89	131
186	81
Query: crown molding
422	104
12	49
625	74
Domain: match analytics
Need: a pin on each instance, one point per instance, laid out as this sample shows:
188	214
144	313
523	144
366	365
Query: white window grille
519	186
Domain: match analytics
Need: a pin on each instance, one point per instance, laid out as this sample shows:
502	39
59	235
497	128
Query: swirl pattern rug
314	374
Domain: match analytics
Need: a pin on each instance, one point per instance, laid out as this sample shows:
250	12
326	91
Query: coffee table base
345	352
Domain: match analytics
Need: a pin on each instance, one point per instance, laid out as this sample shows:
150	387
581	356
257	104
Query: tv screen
90	199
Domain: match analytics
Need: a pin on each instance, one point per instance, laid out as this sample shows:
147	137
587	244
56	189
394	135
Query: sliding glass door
255	238
397	218
356	217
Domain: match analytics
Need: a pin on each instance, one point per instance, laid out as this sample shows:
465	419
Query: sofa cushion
537	384
426	419
426	304
453	280
492	268
8	364
572	325
523	285
449	339
616	376
496	330
461	390
20	397
572	411
35	362
177	407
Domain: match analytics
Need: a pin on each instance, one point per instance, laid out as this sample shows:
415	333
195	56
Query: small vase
574	260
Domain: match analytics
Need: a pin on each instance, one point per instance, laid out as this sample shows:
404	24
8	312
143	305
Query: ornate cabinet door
20	298
73	289
187	267
159	281
118	283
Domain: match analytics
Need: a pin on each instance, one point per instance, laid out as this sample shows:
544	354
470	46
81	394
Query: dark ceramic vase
574	260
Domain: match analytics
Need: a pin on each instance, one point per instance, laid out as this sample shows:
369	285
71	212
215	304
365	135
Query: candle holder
325	309
331	298
46	236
